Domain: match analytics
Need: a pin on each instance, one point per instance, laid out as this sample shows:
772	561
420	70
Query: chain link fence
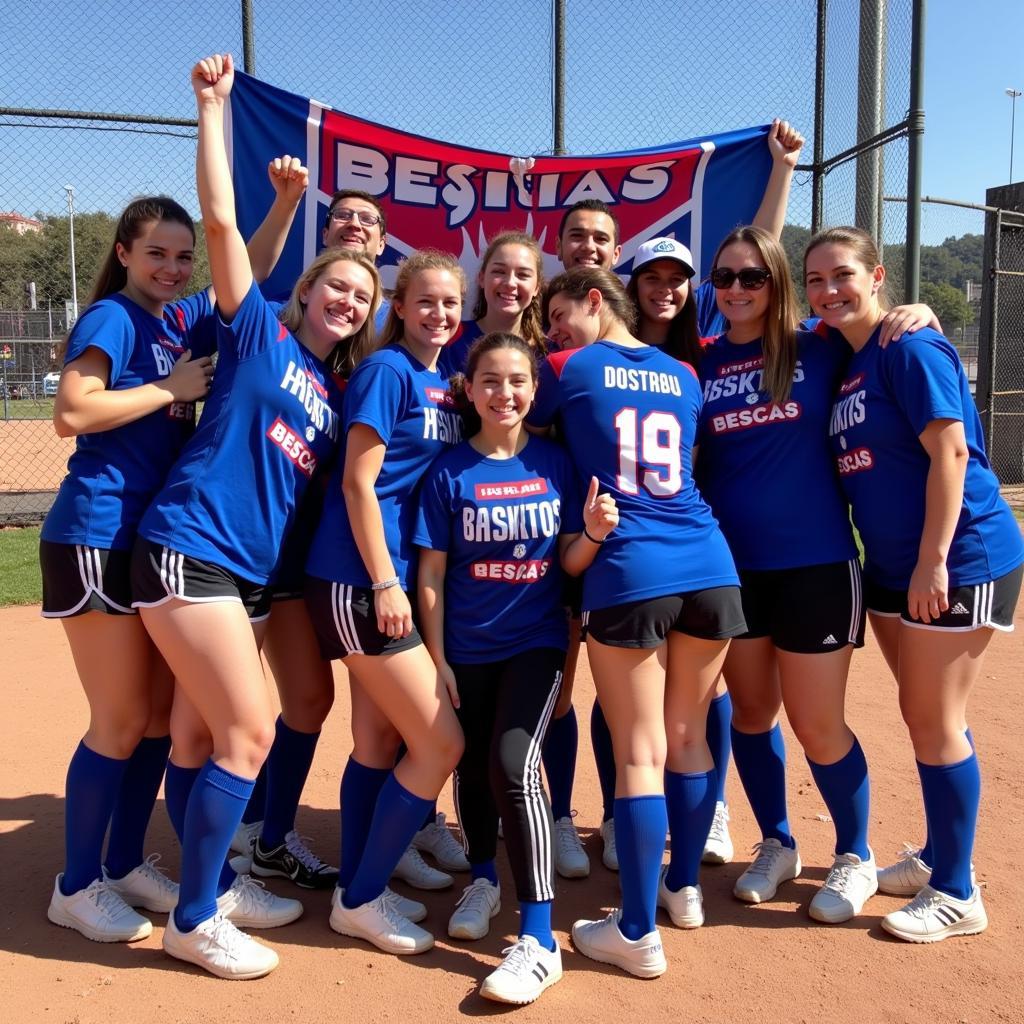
116	120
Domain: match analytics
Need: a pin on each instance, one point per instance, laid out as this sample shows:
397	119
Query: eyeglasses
344	215
751	279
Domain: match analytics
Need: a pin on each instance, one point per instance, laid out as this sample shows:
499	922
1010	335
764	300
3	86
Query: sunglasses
751	279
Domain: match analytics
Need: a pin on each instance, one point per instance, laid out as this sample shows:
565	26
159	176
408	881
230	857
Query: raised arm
784	144
289	180
231	274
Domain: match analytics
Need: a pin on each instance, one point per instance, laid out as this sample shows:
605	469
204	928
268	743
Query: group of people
418	506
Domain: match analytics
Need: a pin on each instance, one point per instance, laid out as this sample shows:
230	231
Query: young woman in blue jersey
497	513
766	470
508	299
656	641
136	363
362	563
204	558
942	559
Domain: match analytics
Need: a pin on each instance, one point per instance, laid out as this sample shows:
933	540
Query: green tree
950	305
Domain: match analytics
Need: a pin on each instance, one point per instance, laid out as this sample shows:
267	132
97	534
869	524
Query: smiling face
588	240
337	304
743	307
502	388
661	290
574	322
345	230
430	311
158	263
841	289
510	280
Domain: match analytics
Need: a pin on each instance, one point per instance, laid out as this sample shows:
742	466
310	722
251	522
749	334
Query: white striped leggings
505	710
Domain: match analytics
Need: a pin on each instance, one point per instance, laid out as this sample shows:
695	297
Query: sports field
767	963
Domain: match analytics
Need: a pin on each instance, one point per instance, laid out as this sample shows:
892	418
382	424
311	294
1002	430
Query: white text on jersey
511	522
297	382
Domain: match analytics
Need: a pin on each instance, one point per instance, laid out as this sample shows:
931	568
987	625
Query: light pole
1013	94
70	189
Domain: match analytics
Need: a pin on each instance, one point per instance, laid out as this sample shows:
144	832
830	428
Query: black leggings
505	709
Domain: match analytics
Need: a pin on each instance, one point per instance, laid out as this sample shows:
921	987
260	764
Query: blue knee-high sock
690	802
485	869
396	818
178	785
214	811
641	824
720	740
257	806
287	769
559	755
604	758
845	788
761	763
360	787
89	796
535	920
951	796
139	787
926	851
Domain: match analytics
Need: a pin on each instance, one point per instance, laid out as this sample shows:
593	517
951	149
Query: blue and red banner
454	198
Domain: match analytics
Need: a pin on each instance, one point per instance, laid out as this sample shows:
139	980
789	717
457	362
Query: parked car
50	382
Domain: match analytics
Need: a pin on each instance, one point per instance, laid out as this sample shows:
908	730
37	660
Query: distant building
23	225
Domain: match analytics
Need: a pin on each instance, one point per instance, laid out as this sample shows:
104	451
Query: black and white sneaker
295	860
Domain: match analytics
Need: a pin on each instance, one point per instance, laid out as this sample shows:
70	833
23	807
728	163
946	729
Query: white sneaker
851	882
685	907
98	912
412	909
571	860
909	875
219	947
602	941
525	972
718	845
773	865
932	916
609	855
146	886
244	837
436	840
415	871
379	923
478	903
249	904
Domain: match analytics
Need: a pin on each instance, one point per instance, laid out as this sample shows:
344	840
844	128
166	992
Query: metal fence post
915	143
818	174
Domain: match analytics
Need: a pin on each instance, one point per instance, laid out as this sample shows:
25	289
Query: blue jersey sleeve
923	377
433	522
545	406
253	328
198	322
106	326
709	319
376	398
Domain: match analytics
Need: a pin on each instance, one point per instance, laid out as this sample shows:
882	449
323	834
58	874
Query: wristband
593	540
385	584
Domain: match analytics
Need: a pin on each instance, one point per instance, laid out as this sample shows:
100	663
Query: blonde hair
864	251
531	327
423	259
346	354
778	336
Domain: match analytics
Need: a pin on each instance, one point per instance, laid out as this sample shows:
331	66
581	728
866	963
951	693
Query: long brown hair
423	259
778	336
346	354
530	326
864	250
683	339
576	283
457	384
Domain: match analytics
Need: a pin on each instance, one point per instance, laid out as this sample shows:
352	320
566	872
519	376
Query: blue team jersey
766	469
710	320
272	416
113	474
407	406
453	356
629	417
498	520
885	402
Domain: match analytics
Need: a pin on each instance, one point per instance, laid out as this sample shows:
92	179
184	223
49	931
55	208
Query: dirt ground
747	964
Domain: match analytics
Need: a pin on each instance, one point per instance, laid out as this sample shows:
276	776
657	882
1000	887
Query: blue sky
640	73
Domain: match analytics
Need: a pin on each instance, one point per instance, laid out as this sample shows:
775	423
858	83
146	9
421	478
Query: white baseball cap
663	249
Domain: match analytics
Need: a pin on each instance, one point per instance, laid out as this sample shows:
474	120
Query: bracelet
593	540
385	584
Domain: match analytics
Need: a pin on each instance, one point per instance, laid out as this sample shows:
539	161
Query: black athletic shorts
79	579
572	595
346	622
812	609
715	613
290	578
977	606
161	574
